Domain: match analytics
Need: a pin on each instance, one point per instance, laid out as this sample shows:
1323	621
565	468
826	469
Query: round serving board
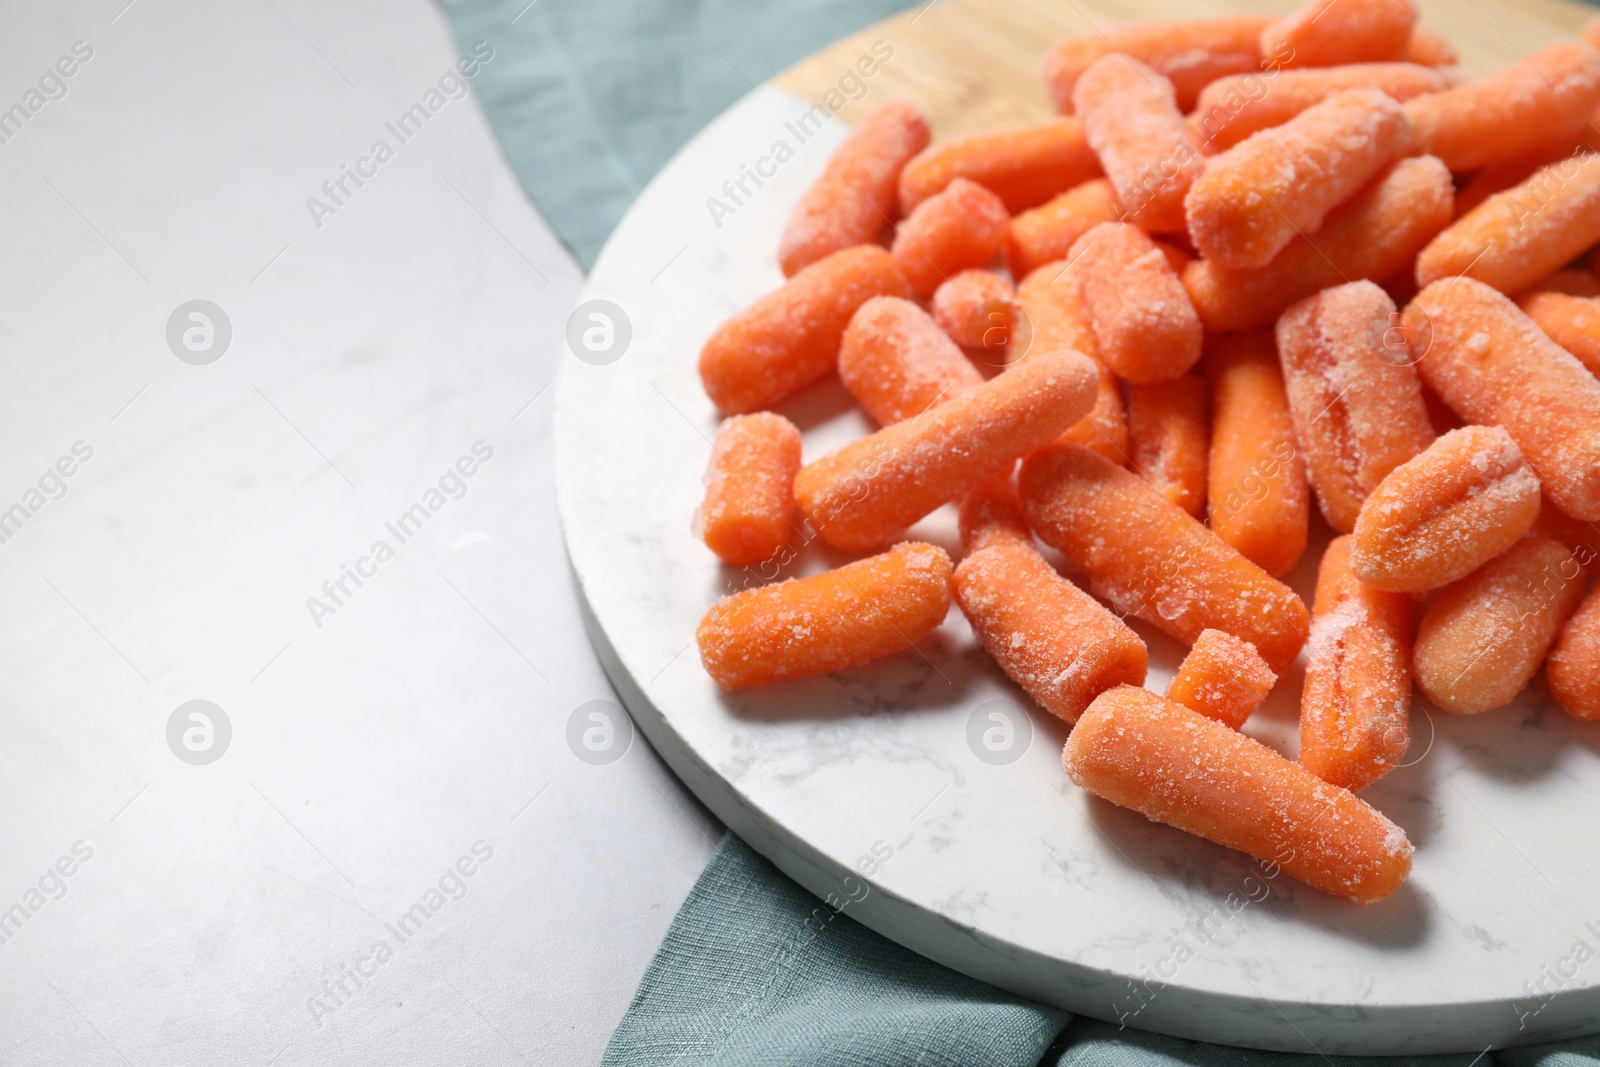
879	790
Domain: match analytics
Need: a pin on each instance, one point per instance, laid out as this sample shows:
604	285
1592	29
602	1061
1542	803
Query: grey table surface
396	834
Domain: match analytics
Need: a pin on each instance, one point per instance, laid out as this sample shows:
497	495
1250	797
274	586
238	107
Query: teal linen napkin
589	99
756	971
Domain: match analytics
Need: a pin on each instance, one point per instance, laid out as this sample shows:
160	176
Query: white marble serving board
863	786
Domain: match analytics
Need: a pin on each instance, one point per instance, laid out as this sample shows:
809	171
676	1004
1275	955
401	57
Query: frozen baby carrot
1050	637
1145	328
1259	195
1355	710
961	226
1191	53
1505	173
1223	678
866	493
1431	48
1256	479
857	194
897	363
1131	118
856	613
1177	257
1148	557
1573	668
1326	33
1023	165
1573	322
1374	235
1480	643
1231	109
1491	364
1357	403
1541	99
749	501
1514	238
1436	518
1054	310
1583	538
979	310
1177	767
1570	282
1168	439
1048	232
991	514
789	338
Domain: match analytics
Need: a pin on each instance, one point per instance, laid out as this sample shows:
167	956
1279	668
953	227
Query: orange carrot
1517	237
1177	767
1573	667
1374	235
1480	643
1357	402
1169	439
1571	282
1436	518
1054	309
1050	637
1431	48
979	311
1131	118
866	493
1506	173
857	194
1492	365
1327	33
1148	557
1573	322
897	363
749	501
1191	53
827	622
991	514
1261	194
1223	678
1355	710
1257	481
964	225
1048	232
1024	165
1231	109
1145	328
1583	538
1541	99
789	338
1177	257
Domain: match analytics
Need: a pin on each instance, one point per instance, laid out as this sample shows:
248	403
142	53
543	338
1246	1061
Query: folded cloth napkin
757	972
589	99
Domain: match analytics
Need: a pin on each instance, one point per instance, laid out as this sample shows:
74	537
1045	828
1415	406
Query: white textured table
870	787
233	911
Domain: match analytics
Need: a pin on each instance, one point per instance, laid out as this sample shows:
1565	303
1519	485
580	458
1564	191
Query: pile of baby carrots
1254	262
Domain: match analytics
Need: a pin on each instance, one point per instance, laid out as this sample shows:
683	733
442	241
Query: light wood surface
973	64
